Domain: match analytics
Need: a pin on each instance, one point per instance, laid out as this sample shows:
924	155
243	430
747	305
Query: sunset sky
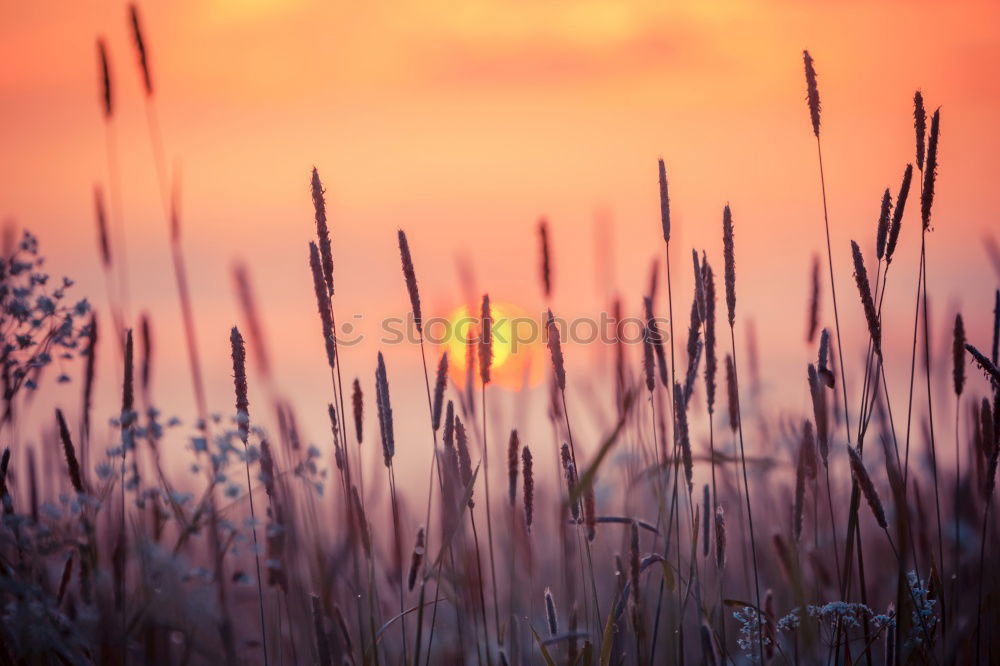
463	123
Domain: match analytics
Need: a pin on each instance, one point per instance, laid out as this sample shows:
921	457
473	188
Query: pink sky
464	125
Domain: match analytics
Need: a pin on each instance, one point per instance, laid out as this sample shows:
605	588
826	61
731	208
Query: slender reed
666	227
986	365
465	470
814	116
729	253
89	375
958	383
546	260
69	451
926	203
485	363
711	367
528	487
550	613
434	410
385	423
416	559
243	427
127	422
333	353
812	323
171	209
860	474
119	272
108	263
991	472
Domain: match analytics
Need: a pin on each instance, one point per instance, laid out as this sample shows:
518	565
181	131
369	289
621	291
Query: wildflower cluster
37	321
751	623
923	618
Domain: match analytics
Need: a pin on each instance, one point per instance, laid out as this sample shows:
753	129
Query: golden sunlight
517	361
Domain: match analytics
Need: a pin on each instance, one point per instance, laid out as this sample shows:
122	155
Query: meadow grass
108	557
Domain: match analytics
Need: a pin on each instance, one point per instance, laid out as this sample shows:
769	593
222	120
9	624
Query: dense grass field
696	529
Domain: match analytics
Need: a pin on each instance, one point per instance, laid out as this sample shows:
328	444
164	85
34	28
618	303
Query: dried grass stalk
812	325
439	386
720	538
75	474
820	416
634	558
664	203
706	524
656	340
322	303
527	470
867	487
322	640
711	361
358	402
464	459
882	227
555	351
864	289
322	230
239	353
359	511
550	612
987	366
920	126
729	254
543	237
513	446
958	355
416	559
411	281
384	411
140	49
897	213
681	437
930	171
590	511
103	239
812	92
732	394
647	359
104	71
800	494
485	341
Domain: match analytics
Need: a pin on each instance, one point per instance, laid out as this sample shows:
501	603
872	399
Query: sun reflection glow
516	346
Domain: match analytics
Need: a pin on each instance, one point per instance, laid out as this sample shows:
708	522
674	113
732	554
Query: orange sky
463	122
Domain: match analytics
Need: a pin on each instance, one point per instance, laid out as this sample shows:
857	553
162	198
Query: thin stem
746	483
833	526
982	558
833	291
913	597
489	521
256	556
119	310
913	351
661	506
427	522
673	381
956	518
399	555
126	438
180	273
482	595
930	421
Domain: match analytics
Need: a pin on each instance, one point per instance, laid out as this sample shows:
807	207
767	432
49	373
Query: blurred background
464	124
